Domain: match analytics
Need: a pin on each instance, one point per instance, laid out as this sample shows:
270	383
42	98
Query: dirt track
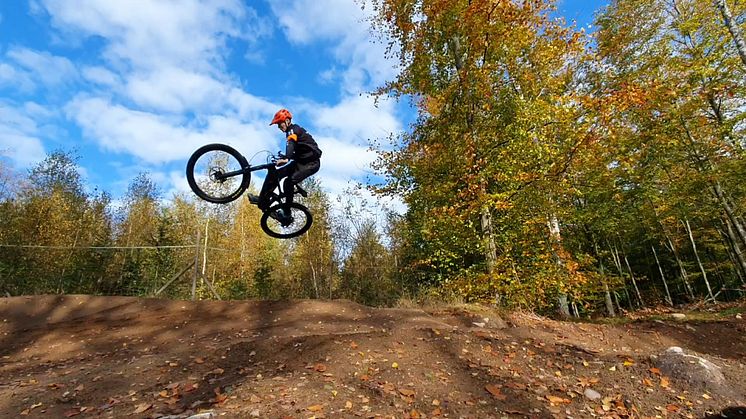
67	356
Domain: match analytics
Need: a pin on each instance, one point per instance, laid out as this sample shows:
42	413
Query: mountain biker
305	154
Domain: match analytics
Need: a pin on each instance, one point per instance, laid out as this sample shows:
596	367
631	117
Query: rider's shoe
282	216
253	199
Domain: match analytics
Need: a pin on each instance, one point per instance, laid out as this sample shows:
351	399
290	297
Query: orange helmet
280	116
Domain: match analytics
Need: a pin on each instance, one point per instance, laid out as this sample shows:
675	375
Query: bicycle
218	173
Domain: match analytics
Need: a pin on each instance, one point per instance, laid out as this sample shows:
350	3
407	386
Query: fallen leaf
315	408
655	371
394	365
664	382
672	408
142	407
406	392
557	400
199	361
348	405
515	385
495	391
587	382
353	345
706	396
320	367
629	362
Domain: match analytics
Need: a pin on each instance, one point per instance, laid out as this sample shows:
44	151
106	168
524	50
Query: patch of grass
732	311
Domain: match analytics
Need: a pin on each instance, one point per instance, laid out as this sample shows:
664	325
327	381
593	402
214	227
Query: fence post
196	266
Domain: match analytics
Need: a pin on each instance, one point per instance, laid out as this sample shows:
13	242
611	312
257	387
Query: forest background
548	169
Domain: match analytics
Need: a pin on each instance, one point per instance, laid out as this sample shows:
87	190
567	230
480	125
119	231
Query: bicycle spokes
276	224
217	173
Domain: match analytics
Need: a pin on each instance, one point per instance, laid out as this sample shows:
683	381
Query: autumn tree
483	171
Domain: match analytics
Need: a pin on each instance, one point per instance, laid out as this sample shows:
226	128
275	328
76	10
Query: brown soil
67	356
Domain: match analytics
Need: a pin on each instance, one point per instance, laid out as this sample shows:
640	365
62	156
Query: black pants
293	173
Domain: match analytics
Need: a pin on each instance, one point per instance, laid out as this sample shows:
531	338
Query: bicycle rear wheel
300	221
205	172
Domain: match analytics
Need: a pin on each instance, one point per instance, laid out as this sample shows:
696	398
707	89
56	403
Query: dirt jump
86	356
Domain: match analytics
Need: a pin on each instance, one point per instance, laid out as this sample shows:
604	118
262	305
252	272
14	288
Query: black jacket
301	146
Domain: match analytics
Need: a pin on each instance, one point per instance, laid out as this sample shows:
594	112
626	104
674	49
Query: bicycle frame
271	168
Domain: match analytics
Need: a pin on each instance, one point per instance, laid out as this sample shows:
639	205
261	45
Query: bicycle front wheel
299	222
217	173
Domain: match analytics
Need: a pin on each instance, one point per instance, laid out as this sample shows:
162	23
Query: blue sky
137	85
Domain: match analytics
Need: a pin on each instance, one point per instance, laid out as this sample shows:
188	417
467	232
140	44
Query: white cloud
23	150
357	119
157	138
345	24
173	89
12	77
344	159
50	70
19	137
102	76
149	34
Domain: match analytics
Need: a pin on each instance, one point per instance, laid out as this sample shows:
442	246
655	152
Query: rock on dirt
694	370
591	394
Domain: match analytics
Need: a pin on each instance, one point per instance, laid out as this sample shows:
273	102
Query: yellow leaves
315	408
587	382
554	400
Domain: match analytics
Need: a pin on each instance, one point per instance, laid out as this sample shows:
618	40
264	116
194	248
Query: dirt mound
66	356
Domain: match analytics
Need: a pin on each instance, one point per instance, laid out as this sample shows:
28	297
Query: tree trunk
733	28
607	292
313	278
740	233
616	300
734	251
699	261
607	299
564	307
634	282
556	237
618	264
663	277
489	238
672	248
682	269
